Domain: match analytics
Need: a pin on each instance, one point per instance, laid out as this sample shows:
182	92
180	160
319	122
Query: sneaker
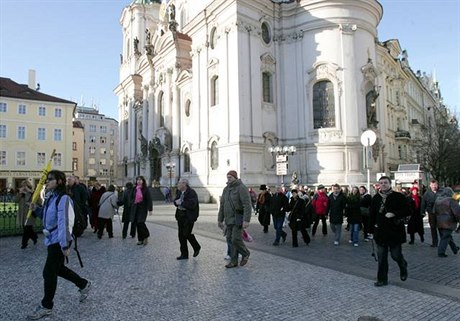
366	240
350	241
356	244
146	241
85	291
336	243
39	313
227	258
140	243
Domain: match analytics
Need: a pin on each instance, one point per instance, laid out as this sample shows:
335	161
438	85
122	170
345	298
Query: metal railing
8	220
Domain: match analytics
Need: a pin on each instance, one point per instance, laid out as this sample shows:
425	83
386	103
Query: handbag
246	236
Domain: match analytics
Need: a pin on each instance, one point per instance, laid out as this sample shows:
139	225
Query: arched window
215	90
213	38
187	107
161	108
266	33
267	87
323	105
187	161
214	156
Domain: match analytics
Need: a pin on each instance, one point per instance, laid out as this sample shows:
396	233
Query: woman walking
415	224
141	207
24	198
107	207
353	213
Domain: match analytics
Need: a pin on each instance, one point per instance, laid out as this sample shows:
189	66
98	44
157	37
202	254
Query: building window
103	161
323	105
214	156
103	129
91	161
21	109
92	150
41	159
92	128
21	132
214	90
3	157
92	139
2	131
213	37
58	112
41	134
187	161
125	129
266	33
103	140
161	108
57	135
187	107
104	172
2	107
267	87
42	111
74	145
103	151
58	159
75	164
20	158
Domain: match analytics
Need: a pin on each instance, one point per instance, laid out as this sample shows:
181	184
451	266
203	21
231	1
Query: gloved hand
220	225
389	215
66	251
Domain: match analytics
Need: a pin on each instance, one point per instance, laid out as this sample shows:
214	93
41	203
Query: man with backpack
56	214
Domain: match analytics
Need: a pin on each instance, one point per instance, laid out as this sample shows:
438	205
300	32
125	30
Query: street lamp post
281	153
368	139
170	167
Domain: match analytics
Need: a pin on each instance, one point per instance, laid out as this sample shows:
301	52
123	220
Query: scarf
139	197
384	196
261	199
416	201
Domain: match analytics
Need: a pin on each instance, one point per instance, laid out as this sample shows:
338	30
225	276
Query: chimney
32	83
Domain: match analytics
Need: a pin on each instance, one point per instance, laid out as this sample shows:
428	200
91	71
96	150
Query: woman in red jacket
320	202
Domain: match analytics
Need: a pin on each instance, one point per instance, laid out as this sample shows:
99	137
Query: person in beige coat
107	207
24	197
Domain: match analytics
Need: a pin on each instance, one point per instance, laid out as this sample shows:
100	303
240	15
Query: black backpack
79	226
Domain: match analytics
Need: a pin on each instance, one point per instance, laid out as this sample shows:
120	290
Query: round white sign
368	138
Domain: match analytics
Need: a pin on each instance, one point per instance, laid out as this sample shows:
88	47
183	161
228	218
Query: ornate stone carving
348	28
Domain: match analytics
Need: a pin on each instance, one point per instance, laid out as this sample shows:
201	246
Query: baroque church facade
209	86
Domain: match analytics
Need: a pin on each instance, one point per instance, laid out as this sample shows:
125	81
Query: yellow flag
41	183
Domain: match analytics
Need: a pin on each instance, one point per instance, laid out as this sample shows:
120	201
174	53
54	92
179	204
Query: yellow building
32	124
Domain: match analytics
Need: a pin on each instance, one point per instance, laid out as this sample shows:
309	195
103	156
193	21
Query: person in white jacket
107	207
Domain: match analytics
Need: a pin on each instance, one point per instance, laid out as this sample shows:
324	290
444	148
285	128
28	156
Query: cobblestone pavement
319	282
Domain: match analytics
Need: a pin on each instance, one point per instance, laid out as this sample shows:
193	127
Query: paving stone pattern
132	282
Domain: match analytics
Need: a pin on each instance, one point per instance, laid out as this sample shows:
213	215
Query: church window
323	105
266	33
213	38
267	87
161	109
214	90
187	108
214	156
187	161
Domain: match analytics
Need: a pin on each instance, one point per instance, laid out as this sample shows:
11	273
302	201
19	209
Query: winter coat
320	202
139	211
263	207
298	216
415	224
428	200
279	205
353	210
388	231
23	198
235	198
189	204
447	212
336	207
127	202
108	205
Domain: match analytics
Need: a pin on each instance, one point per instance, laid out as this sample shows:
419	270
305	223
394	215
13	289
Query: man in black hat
263	207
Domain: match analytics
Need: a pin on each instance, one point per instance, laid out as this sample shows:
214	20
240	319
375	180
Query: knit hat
233	173
320	186
263	187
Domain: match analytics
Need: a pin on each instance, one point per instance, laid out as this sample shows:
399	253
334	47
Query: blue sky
75	45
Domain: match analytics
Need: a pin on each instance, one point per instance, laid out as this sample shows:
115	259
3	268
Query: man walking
427	206
279	205
235	210
187	213
335	209
387	212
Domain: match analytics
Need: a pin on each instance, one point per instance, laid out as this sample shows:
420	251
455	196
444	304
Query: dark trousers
29	233
104	222
278	225
433	228
55	267
305	236
185	234
446	239
142	231
234	233
323	223
366	226
382	255
132	232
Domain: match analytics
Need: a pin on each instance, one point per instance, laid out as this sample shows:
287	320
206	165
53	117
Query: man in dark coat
336	209
427	207
263	207
279	207
387	213
187	212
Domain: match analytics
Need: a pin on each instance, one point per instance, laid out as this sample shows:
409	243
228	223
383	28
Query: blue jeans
354	237
278	224
337	229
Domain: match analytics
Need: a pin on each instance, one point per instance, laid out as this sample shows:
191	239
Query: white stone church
208	86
